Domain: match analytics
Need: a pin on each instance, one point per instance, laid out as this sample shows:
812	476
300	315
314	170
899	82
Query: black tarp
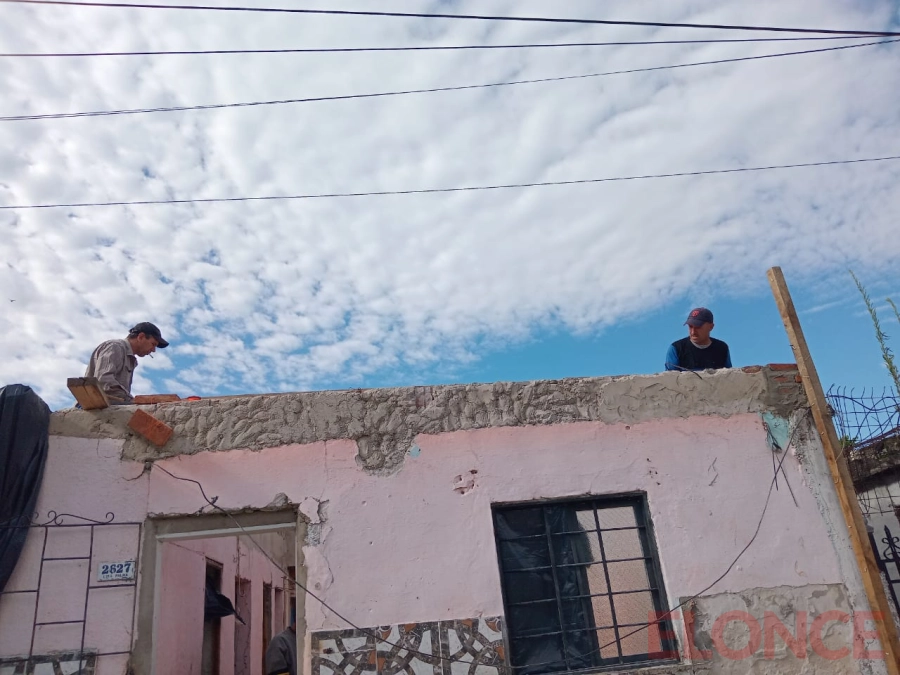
548	635
216	605
24	431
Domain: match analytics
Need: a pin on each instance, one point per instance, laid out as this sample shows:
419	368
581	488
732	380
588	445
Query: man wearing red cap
698	351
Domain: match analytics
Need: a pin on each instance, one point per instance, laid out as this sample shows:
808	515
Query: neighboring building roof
875	458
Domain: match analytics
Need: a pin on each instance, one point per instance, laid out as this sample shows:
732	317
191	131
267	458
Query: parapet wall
384	422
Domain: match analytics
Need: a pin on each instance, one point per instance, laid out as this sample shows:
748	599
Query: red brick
751	369
150	428
782	366
147	399
783	378
798	379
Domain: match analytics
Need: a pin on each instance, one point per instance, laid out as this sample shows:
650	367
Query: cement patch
807	629
384	422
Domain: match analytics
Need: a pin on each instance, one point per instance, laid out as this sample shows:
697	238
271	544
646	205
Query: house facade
673	523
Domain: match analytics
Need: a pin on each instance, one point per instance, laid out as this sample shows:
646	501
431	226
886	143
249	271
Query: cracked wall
394	487
384	422
807	629
418	544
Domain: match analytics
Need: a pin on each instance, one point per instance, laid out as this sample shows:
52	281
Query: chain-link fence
868	423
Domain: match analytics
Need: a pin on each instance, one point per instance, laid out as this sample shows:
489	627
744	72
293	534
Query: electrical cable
776	448
734	562
682	369
346	97
302	587
471	188
426	15
424	48
377	638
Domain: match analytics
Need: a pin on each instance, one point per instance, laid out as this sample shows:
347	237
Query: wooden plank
87	392
147	399
840	473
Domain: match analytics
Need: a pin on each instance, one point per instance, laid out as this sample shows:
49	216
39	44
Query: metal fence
83	658
887	553
868	423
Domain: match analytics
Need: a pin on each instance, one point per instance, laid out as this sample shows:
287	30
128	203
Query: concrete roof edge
383	422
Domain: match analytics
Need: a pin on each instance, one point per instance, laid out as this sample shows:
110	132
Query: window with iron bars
581	581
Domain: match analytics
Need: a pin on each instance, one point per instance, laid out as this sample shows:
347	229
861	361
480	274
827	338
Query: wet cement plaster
384	422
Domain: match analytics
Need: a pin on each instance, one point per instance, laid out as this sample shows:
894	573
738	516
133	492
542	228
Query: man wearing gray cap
698	351
114	361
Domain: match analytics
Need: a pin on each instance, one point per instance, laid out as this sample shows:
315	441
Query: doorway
215	594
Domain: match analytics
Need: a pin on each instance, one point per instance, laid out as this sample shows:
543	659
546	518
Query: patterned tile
343	652
67	663
72	667
473	646
414	649
460	647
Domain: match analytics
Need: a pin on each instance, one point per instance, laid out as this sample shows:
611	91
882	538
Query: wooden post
840	473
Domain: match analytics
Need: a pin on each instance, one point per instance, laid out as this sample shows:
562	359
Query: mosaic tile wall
475	647
55	664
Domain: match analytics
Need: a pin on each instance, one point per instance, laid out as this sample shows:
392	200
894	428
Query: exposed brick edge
150	428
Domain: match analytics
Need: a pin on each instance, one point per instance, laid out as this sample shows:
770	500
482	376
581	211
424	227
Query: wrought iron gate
78	655
887	553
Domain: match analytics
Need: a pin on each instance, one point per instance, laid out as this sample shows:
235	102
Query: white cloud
295	294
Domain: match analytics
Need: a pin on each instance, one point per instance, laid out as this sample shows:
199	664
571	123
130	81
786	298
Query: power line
384	193
431	90
475	17
424	48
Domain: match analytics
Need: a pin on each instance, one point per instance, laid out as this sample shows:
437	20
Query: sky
478	286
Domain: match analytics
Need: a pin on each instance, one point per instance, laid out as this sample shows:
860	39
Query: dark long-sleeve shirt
281	656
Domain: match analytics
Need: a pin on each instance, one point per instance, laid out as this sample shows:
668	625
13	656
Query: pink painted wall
242	636
179	619
83	477
419	545
387	538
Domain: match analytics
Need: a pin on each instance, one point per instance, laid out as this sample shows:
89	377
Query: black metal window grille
577	578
